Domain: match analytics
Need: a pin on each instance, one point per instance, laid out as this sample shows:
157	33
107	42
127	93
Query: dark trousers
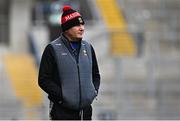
61	113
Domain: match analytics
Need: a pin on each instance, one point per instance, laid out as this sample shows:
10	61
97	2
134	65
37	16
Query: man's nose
81	27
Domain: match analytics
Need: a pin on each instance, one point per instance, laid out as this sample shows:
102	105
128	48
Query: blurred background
137	43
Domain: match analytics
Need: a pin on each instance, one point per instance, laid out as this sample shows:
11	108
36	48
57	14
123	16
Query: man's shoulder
56	41
52	43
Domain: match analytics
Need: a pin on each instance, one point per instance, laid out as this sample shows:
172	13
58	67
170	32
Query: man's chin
79	38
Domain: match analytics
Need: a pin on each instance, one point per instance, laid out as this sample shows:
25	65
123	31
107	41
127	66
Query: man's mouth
80	33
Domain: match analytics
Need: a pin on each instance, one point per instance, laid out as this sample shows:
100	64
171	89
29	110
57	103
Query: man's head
72	23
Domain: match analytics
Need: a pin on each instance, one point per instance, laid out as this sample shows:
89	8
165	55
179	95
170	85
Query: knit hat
70	18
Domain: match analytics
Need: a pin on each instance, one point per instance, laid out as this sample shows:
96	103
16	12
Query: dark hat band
73	22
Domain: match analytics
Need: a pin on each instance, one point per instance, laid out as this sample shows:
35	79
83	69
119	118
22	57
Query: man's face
75	33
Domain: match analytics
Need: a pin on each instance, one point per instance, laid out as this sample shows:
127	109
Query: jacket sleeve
95	70
46	73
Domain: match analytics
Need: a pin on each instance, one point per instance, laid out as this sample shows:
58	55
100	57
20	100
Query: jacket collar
68	45
66	41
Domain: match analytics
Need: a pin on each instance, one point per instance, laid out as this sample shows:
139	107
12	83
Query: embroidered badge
63	53
85	53
58	44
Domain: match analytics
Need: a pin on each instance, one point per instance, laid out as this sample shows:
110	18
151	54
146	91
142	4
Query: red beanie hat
70	18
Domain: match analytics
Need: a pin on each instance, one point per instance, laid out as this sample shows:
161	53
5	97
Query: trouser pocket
59	112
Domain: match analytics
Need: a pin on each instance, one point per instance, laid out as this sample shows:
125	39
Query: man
69	71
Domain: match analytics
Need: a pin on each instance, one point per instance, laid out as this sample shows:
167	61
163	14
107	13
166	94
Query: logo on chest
63	54
85	52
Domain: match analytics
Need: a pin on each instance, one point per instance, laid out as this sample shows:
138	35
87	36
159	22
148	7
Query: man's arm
95	70
46	72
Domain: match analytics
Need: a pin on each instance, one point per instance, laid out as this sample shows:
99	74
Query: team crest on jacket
85	53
